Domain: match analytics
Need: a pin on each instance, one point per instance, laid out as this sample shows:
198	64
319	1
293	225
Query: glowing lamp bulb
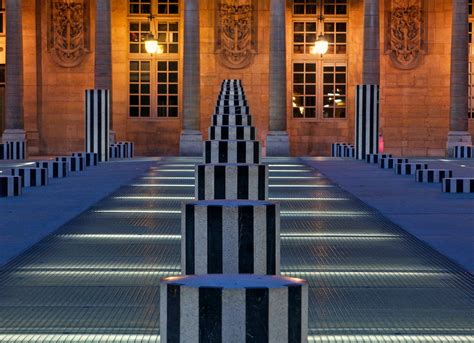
151	44
320	47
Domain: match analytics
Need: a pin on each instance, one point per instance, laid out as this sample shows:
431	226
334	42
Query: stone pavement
444	221
40	211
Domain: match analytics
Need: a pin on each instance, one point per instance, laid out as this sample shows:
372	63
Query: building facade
63	47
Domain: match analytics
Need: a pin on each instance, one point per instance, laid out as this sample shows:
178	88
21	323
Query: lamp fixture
321	46
152	46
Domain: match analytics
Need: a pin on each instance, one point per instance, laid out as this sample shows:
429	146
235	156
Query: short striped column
463	151
232	110
32	177
408	168
374	158
367	120
10	186
231	181
247	152
389	163
231	120
76	163
97	122
56	169
233	133
13	150
230	237
432	175
233	308
91	158
127	149
458	185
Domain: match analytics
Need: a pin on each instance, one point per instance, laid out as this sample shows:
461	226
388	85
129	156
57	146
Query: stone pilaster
14	125
191	138
458	114
103	52
277	139
371	58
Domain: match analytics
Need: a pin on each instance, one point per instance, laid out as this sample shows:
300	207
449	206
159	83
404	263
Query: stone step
231	181
232	110
91	158
374	158
76	163
408	168
247	152
14	150
10	186
432	175
232	133
56	169
461	151
31	177
231	120
458	185
230	236
233	308
389	163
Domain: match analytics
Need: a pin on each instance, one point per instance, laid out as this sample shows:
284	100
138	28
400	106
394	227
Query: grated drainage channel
97	278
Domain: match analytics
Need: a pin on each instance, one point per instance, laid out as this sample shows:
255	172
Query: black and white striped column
433	175
458	185
232	152
408	168
230	237
233	133
97	122
90	158
463	151
374	158
389	163
231	120
367	120
233	308
13	150
32	177
56	169
3	152
76	163
10	186
231	181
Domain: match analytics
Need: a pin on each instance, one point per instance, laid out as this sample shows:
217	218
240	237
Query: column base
190	143
457	138
111	137
14	135
278	144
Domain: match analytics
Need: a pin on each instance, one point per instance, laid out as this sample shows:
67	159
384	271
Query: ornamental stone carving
236	32
406	32
68	31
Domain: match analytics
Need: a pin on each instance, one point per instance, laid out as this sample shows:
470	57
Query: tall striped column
367	120
97	122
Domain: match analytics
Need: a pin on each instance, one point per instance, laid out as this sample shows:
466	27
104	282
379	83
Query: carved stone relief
406	30
68	31
236	32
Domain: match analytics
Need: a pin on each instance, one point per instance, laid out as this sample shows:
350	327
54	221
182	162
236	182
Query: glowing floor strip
323	214
302	186
120	236
302	273
308	199
153	198
291	171
175	170
168	178
189	186
140	211
161	185
286	165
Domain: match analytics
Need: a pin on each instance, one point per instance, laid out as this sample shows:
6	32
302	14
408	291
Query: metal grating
97	278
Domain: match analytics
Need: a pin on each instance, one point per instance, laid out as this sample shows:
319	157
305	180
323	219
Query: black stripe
99	127
201	183
447	184
363	118
256	315
225	120
246	229
4	187
238	120
44	176
241	152
294	314
208	152
219	182
256	147
225	132
16	186
213	133
214	239
240	133
271	239
210	315
430	175
471	185
223	152
261	182
459	186
243	182
189	232
252	133
173	302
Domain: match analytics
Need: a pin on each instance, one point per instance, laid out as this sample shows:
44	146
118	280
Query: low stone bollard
91	159
232	133
458	185
32	177
231	120
374	158
408	168
233	308
230	237
218	181
10	186
76	163
56	169
463	151
247	152
432	175
389	163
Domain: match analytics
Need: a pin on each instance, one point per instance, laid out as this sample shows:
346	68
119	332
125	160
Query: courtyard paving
96	279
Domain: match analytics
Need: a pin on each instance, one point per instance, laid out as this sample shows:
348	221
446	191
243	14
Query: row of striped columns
232	290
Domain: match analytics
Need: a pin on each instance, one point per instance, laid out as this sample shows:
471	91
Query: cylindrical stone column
14	67
371	58
190	142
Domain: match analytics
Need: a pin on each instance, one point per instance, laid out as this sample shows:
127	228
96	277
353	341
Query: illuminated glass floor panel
97	278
